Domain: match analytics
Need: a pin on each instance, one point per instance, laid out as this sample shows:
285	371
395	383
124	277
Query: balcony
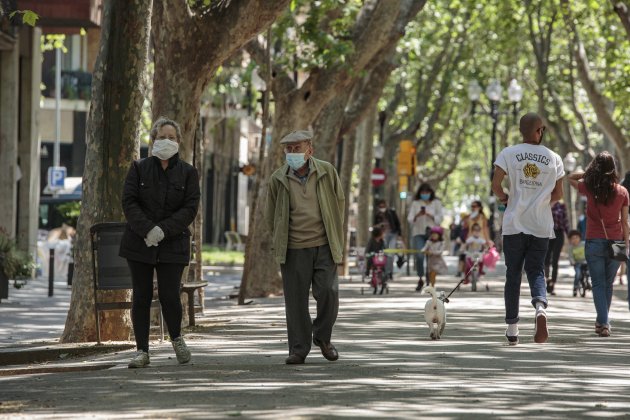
75	84
64	16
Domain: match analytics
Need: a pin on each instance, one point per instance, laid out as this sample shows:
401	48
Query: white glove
154	236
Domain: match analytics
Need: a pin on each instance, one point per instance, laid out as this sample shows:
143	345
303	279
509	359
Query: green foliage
14	263
495	44
213	255
315	33
70	212
28	16
52	41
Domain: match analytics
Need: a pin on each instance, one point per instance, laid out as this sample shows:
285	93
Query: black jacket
166	198
391	217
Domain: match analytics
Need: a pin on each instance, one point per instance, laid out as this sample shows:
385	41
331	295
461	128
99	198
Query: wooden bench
189	289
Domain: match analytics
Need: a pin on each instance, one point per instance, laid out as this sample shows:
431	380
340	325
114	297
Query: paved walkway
389	368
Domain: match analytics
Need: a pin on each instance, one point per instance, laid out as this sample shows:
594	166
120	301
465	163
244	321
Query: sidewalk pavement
388	366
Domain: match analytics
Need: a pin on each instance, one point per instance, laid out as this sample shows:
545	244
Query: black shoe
420	285
294	359
400	262
512	339
328	350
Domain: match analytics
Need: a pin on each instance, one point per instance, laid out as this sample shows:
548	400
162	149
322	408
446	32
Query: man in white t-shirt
535	178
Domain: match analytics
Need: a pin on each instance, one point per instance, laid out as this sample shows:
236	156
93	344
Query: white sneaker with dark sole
512	339
181	350
140	360
511	333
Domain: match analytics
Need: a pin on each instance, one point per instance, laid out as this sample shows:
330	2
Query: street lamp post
494	92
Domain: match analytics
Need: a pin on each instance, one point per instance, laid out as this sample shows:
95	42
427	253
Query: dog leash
477	261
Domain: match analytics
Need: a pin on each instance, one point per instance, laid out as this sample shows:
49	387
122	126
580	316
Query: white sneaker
511	333
140	360
541	333
181	350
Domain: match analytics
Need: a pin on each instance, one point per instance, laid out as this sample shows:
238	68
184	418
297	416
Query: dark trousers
523	251
553	256
169	279
303	268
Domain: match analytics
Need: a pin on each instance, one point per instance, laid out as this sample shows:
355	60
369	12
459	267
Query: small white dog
435	313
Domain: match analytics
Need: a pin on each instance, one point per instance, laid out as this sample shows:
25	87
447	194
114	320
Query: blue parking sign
56	177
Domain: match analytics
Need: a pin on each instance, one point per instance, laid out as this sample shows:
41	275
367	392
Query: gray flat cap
297	136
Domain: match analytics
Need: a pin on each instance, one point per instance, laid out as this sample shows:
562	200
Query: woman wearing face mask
387	220
424	213
160	200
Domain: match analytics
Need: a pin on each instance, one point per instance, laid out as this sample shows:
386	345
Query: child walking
475	246
577	257
433	250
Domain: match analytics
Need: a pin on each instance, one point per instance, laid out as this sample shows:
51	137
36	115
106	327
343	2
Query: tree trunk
261	272
181	71
622	9
347	166
112	143
366	163
327	127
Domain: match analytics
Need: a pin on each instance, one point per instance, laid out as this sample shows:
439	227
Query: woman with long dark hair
607	219
424	213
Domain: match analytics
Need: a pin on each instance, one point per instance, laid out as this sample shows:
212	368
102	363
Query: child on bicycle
474	247
433	249
576	257
375	244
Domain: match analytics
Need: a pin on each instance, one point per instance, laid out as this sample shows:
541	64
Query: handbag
616	249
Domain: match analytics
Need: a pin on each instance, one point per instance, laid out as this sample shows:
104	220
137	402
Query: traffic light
403	184
406	158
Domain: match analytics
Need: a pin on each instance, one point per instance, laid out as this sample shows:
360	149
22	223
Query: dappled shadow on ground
389	368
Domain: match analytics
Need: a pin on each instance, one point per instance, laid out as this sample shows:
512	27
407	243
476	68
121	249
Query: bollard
51	272
70	272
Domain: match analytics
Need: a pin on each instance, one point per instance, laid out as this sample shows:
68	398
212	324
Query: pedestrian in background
625	267
387	220
305	213
607	220
160	200
476	217
424	213
560	229
535	178
433	249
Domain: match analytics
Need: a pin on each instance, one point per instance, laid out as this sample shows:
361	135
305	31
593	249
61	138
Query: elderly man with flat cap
305	212
535	177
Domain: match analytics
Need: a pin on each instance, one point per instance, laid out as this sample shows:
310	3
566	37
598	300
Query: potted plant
14	264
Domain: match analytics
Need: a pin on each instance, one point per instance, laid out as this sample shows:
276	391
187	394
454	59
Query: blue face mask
425	197
295	160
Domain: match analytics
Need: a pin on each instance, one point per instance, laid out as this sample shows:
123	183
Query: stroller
377	272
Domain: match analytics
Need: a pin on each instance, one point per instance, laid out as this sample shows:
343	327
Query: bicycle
584	282
377	272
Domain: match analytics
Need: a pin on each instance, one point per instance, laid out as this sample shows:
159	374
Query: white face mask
474	214
164	148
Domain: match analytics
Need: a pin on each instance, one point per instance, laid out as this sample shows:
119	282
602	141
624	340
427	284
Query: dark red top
610	214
